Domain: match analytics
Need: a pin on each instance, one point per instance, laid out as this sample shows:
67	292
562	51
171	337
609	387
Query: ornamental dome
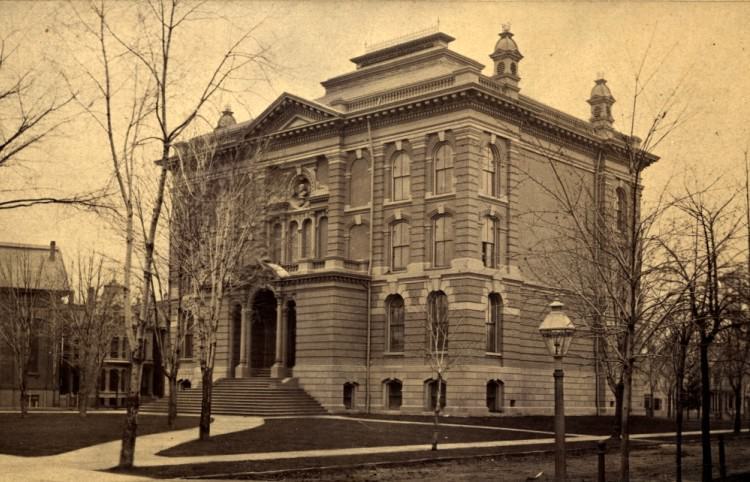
226	119
506	42
600	89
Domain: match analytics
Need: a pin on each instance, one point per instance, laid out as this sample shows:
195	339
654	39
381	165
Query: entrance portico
266	336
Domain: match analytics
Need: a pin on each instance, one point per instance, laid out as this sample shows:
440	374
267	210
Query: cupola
506	58
601	101
226	119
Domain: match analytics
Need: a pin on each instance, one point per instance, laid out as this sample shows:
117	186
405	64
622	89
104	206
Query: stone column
243	369
279	369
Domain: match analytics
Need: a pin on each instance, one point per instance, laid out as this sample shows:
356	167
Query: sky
698	48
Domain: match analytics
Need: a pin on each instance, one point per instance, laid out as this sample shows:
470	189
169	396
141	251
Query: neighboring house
114	378
411	185
36	273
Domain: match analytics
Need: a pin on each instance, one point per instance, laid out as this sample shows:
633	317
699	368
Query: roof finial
506	27
600	75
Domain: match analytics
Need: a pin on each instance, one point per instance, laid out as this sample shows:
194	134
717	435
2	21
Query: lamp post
557	331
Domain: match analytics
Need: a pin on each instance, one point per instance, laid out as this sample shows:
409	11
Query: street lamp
557	331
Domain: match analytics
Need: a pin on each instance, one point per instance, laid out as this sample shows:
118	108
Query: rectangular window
400	245
114	348
443	241
401	173
33	364
395	324
444	169
488	242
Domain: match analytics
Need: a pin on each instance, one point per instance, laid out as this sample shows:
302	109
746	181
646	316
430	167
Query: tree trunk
83	395
172	407
436	419
678	434
617	425
627	381
738	407
207	389
132	404
705	410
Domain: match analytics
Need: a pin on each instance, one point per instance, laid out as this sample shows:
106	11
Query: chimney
52	249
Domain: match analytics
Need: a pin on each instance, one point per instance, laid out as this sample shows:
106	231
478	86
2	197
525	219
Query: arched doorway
263	332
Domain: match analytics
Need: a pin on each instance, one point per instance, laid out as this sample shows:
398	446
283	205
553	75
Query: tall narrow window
307	242
437	312
399	245
395	312
114	348
323	237
432	394
495	395
444	169
292	239
443	244
393	396
359	184
489	172
488	242
494	323
622	208
187	349
401	176
276	243
33	361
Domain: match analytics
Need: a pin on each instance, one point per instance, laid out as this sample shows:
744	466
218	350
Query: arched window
494	323
443	169
359	242
431	394
292	241
622	209
393	397
437	312
495	396
307	241
276	243
489	231
401	176
489	172
395	323
350	395
443	244
399	245
322	237
359	184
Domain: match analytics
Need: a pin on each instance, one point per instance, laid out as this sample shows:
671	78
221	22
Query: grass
286	434
53	433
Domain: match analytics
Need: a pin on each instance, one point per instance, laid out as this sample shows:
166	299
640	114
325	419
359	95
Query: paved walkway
79	464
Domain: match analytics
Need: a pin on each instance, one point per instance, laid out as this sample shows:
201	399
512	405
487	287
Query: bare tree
220	196
29	285
704	256
92	316
151	122
31	112
444	350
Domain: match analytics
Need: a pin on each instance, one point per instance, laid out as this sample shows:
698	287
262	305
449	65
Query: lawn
54	433
285	434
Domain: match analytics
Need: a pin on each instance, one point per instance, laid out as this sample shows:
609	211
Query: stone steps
255	396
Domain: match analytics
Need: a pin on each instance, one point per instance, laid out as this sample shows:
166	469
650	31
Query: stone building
411	187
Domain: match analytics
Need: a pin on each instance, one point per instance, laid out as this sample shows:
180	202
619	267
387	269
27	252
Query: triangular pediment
289	112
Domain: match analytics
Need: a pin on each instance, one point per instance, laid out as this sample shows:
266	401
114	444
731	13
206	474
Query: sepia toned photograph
374	240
